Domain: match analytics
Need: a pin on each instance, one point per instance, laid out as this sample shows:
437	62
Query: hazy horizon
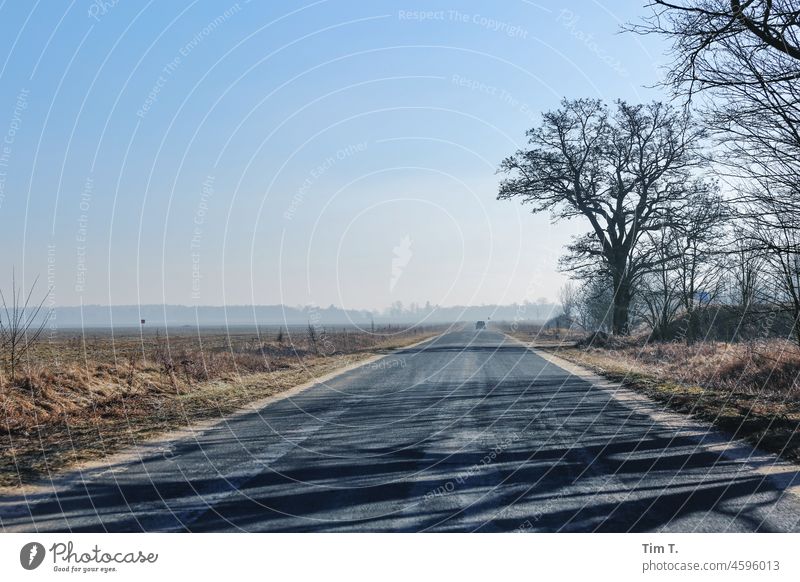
90	315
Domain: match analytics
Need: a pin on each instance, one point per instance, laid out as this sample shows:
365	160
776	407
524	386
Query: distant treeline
206	315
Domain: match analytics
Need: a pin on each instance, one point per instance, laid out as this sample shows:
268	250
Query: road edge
783	474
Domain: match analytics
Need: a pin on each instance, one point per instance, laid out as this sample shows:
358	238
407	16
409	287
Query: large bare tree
626	172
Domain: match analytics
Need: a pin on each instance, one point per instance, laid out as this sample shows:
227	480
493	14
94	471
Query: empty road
468	432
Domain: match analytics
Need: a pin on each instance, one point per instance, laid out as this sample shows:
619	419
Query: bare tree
746	262
20	324
311	332
659	293
626	173
775	231
595	304
568	297
741	60
688	274
699	265
709	36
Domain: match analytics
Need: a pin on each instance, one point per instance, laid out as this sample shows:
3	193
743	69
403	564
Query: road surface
468	432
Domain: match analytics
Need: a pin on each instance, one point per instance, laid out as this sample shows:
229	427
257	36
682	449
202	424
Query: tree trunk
692	325
796	323
622	300
797	332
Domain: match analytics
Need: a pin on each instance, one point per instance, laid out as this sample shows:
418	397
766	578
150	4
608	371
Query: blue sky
330	152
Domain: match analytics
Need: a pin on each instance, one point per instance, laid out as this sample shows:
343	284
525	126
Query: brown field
84	396
750	389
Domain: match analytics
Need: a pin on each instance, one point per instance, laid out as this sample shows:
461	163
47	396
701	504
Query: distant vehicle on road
480	325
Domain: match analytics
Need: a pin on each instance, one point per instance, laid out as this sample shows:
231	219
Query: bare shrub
20	324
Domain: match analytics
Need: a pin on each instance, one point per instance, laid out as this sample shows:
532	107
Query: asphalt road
469	432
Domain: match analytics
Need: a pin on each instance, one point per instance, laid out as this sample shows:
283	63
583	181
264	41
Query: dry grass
82	398
765	369
749	389
537	334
